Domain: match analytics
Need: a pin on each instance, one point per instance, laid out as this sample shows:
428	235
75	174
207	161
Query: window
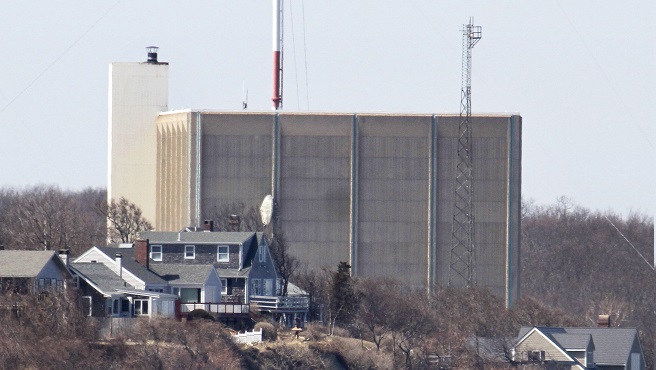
268	287
86	305
224	286
255	287
635	361
262	253
222	253
190	252
536	356
156	252
190	295
140	307
75	283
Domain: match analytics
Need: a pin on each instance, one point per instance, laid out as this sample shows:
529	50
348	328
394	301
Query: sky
582	75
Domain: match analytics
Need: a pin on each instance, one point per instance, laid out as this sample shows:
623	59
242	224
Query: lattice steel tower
462	271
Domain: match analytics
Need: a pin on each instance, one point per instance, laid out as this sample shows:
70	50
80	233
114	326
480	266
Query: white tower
137	93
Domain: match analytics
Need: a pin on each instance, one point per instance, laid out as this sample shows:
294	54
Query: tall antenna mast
462	270
277	54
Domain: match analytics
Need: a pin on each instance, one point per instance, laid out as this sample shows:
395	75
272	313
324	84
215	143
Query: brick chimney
142	251
208	225
235	222
603	321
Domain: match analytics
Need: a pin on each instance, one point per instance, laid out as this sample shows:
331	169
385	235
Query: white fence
248	337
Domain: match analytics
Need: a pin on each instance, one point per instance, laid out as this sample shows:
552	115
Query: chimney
63	254
119	265
603	321
152	54
208	225
142	251
234	222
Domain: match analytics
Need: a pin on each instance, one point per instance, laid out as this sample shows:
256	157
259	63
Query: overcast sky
581	73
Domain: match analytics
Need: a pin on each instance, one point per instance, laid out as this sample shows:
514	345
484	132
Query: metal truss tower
462	267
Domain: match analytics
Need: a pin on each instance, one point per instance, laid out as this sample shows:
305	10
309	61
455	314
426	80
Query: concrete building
137	93
375	190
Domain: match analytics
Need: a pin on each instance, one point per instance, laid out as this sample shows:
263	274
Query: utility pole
462	264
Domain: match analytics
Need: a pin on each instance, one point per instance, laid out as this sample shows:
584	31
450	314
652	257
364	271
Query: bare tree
378	307
286	264
125	220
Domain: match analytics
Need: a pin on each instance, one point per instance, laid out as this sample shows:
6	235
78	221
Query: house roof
101	276
197	237
612	345
26	264
233	273
130	264
183	274
573	342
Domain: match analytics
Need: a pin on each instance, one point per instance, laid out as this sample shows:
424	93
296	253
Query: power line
631	244
58	58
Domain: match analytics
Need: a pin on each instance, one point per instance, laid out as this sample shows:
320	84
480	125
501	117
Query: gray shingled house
242	260
106	293
119	284
32	271
580	348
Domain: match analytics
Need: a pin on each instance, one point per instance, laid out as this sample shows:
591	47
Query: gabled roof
25	264
130	264
183	274
612	345
101	277
197	237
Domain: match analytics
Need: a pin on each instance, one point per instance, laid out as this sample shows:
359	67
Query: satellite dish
266	210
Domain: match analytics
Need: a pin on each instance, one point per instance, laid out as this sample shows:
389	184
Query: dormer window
262	254
190	252
156	252
222	254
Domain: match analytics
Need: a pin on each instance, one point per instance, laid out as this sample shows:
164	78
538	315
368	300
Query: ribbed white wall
137	93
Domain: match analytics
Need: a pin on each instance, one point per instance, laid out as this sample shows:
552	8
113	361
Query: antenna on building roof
244	95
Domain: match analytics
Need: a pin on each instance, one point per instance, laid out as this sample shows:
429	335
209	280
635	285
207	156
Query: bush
269	331
316	331
199	314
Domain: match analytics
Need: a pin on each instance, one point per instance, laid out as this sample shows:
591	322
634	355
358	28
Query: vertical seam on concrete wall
354	197
431	208
198	165
509	248
275	159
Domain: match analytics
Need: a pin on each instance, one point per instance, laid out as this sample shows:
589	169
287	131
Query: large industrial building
375	190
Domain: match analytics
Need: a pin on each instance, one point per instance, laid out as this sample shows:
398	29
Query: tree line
575	264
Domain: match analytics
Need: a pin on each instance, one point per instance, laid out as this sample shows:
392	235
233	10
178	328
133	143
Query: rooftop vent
152	54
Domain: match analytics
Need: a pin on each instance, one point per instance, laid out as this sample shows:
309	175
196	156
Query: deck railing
226	308
281	304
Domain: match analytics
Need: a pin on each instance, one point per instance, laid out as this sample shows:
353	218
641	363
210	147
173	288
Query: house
33	271
105	293
118	283
242	260
580	348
